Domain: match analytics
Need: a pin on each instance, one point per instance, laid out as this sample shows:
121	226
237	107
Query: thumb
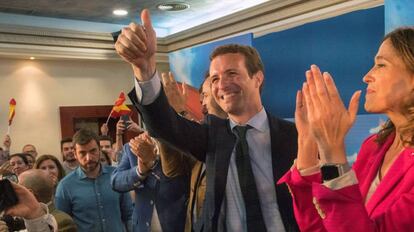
353	105
146	20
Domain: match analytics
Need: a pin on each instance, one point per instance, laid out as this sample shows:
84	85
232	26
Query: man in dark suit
245	154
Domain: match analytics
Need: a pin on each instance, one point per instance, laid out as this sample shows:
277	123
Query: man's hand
120	127
7	142
27	207
144	148
137	45
133	126
104	129
176	98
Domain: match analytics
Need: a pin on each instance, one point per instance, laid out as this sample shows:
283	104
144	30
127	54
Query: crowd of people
238	169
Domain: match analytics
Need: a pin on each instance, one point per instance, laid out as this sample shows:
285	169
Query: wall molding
47	43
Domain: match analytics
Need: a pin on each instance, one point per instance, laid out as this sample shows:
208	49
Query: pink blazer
390	208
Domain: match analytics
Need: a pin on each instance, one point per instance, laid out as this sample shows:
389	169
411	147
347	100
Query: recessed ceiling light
32	58
173	6
120	12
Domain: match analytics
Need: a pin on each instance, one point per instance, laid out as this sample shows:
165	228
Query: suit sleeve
174	162
165	124
125	177
300	188
320	208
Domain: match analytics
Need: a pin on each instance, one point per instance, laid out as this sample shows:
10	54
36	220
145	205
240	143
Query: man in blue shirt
86	193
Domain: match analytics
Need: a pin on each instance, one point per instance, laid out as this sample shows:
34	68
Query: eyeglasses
12	177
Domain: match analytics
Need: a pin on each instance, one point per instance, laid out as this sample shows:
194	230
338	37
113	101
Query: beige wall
41	86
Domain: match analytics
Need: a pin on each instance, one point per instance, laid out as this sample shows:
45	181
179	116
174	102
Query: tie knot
241	131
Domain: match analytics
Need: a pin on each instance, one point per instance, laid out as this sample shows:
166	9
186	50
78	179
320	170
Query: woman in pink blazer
377	194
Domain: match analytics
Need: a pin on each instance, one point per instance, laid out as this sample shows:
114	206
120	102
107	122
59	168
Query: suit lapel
395	174
274	144
223	148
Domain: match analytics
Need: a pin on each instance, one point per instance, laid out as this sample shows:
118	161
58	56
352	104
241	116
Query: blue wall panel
344	46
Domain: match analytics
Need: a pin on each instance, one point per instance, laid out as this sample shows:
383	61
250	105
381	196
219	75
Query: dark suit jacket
213	143
176	163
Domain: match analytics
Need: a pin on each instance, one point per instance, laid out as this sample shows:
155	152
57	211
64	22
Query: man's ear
259	77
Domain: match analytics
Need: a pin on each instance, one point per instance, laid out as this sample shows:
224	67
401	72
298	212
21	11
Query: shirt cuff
347	179
307	171
148	91
43	223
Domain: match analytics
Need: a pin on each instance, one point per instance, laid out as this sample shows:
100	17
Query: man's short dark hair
63	141
84	136
253	61
105	138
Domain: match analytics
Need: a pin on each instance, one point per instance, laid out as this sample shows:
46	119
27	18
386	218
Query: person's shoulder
108	168
281	123
69	177
370	142
211	119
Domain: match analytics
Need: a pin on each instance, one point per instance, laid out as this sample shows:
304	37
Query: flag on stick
12	112
119	108
12	107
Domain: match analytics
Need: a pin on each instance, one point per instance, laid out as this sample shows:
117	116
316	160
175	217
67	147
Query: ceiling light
32	58
120	12
173	6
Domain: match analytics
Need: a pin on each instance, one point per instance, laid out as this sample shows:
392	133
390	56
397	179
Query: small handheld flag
119	108
12	112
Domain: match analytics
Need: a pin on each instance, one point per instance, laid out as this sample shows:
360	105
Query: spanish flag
120	108
12	106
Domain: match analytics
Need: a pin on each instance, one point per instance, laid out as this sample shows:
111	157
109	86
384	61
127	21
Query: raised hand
137	45
329	120
120	127
134	127
104	129
27	207
176	98
7	142
307	147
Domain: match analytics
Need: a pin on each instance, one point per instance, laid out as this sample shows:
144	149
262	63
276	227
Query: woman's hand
307	148
329	120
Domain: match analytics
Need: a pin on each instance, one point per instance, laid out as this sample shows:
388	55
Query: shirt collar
81	174
258	121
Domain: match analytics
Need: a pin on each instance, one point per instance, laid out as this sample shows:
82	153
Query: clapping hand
307	147
176	98
329	120
144	148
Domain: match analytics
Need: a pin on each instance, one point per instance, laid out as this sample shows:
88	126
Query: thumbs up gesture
137	45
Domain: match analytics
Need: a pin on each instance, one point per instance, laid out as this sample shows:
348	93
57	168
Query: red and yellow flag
12	107
120	108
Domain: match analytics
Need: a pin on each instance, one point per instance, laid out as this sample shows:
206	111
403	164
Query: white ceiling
96	15
80	29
